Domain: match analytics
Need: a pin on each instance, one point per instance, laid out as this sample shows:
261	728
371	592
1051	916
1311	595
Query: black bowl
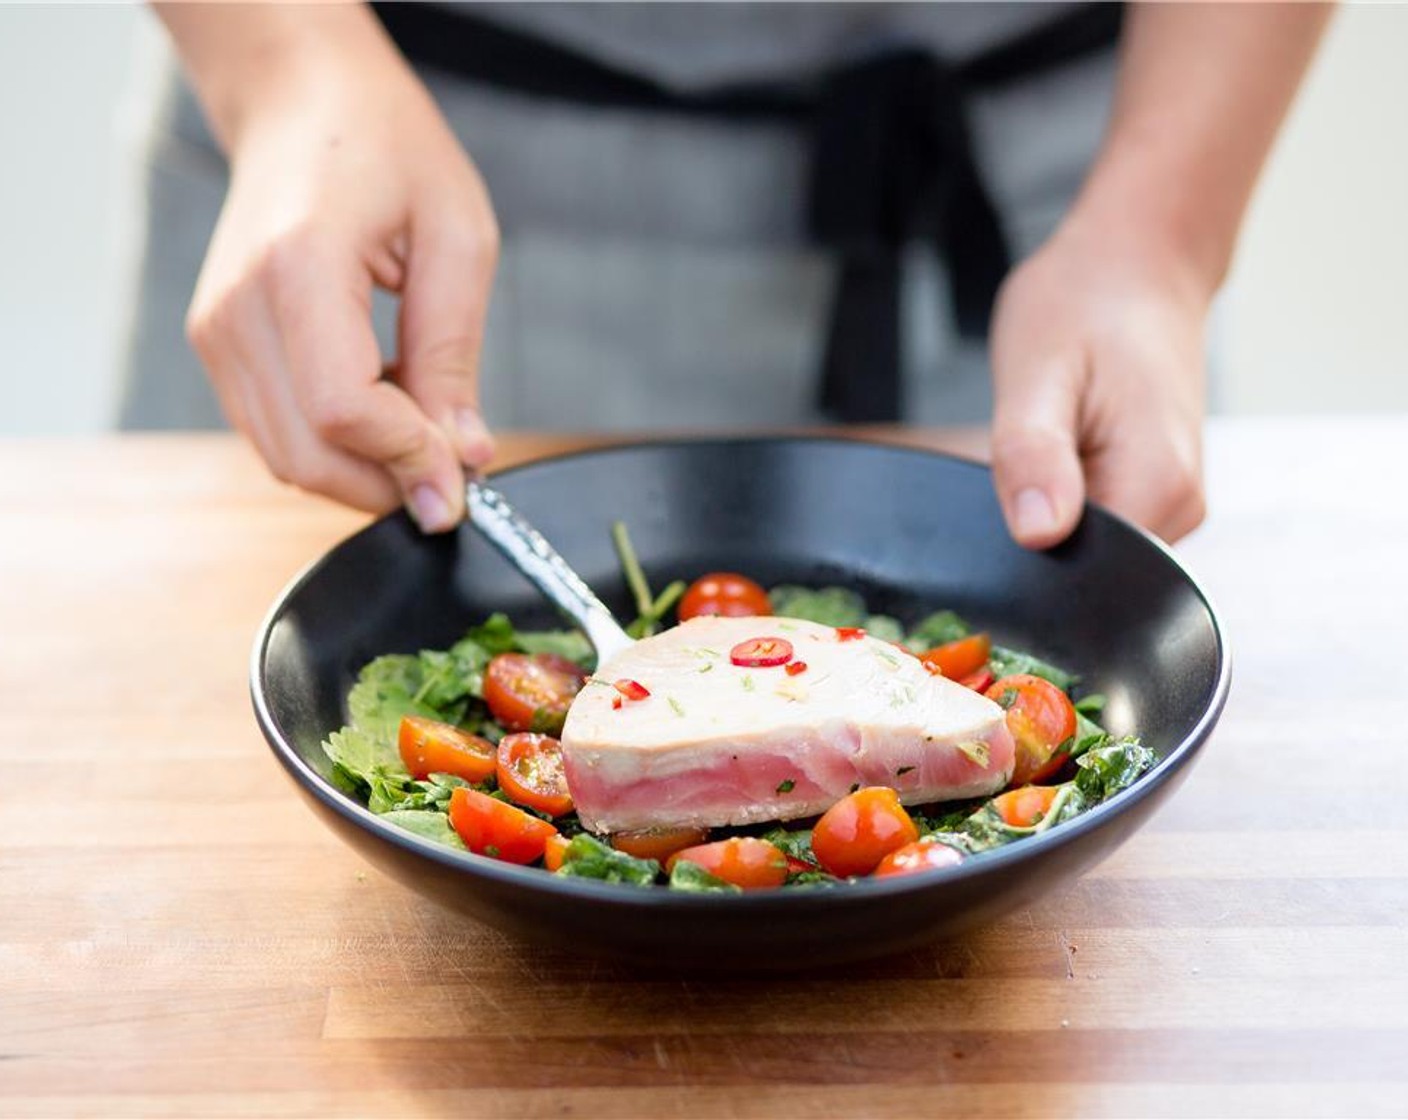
911	530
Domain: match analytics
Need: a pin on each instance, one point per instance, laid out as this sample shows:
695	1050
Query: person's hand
345	176
1097	350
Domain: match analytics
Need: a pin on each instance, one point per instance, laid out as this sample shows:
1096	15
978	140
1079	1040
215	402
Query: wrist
249	63
1154	209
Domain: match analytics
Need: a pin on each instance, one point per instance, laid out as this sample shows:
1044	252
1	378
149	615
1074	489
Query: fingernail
476	444
429	508
1033	512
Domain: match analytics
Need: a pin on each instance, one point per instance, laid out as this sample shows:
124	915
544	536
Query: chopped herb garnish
676	706
747	683
787	785
491	850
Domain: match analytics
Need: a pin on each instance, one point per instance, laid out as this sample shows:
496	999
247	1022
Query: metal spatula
528	551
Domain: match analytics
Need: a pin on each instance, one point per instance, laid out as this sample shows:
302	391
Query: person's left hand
1097	351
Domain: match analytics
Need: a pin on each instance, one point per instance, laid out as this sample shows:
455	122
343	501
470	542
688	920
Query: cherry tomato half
1025	807
430	747
530	772
554	851
860	830
923	855
495	828
1041	718
531	693
744	861
658	843
724	593
959	659
761	653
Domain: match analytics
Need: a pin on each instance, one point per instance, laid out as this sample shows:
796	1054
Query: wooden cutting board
180	937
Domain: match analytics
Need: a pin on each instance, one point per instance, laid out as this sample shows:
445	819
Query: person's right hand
344	177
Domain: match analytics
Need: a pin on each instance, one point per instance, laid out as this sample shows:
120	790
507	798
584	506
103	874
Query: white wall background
1317	308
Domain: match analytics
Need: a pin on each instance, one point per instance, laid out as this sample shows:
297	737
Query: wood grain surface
180	937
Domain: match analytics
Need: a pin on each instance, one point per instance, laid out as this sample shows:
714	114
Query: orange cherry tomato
530	772
554	851
531	693
860	830
1025	807
495	828
658	843
431	747
761	653
744	861
960	658
923	855
724	593
1041	718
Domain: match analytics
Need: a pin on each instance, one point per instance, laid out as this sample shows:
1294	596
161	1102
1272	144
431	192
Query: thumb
1035	448
444	303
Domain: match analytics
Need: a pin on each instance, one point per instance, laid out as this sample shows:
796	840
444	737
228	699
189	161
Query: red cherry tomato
1025	807
724	593
1041	718
761	653
430	747
531	693
497	829
959	659
860	830
658	843
530	772
923	855
744	861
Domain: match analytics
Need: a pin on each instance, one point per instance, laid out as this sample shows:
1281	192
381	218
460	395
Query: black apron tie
892	163
892	160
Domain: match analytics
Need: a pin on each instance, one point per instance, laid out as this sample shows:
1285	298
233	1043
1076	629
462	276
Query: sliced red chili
616	703
980	681
795	667
761	653
849	633
632	690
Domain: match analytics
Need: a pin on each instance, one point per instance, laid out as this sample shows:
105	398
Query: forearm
1203	89
246	58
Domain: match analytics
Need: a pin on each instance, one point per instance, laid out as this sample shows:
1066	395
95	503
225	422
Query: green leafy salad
460	746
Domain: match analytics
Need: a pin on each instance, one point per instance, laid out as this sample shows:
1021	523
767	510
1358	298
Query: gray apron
655	273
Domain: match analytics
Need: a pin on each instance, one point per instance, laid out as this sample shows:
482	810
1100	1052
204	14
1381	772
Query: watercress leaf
1105	770
385	691
358	758
884	627
817	878
432	825
1005	662
937	629
571	644
688	876
495	635
797	844
1088	734
1092	704
588	858
828	606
